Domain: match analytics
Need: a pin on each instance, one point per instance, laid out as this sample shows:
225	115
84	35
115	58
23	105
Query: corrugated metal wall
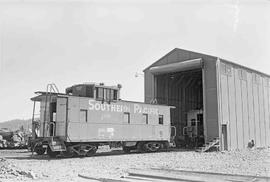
244	97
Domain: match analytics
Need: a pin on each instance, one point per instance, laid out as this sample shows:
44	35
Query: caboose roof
42	95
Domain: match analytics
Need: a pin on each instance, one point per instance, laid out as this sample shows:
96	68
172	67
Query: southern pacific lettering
136	108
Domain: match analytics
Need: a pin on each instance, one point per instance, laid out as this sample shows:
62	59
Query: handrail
55	87
185	130
53	132
33	117
51	88
172	138
174	135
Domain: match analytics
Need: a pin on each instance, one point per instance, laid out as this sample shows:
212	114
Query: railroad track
162	175
194	176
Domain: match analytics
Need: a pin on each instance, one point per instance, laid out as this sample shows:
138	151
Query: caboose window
145	118
127	117
114	94
99	93
83	115
160	119
108	94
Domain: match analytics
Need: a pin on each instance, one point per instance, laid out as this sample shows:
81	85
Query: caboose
88	115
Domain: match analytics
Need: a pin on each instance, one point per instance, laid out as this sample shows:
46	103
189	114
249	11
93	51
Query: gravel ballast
115	164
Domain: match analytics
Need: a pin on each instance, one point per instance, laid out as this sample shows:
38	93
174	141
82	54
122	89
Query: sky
70	42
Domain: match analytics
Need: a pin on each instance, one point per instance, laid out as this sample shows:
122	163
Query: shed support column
155	87
204	106
167	89
183	109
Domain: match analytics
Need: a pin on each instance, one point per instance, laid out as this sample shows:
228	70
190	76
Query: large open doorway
184	90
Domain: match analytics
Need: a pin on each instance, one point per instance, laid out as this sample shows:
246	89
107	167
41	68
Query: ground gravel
115	164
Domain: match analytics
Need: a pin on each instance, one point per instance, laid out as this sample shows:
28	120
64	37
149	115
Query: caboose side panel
90	120
42	131
61	117
104	133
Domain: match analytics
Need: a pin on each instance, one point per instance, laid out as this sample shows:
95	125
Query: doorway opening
184	90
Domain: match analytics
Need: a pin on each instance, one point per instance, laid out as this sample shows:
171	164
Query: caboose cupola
96	91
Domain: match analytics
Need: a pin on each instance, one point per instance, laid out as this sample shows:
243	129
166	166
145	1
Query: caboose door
61	116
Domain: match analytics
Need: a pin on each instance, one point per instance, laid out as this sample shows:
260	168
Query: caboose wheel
152	146
40	150
126	149
91	152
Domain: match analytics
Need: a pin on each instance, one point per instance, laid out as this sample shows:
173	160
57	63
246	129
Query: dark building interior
184	90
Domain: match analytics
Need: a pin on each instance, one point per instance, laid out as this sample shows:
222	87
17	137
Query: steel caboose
89	115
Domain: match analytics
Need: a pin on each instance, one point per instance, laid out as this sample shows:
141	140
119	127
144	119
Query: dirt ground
19	165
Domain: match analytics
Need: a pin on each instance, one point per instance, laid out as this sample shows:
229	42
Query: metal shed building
234	100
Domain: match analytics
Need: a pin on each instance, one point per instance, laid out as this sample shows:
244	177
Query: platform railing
51	88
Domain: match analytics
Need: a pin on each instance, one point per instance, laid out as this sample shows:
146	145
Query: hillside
16	124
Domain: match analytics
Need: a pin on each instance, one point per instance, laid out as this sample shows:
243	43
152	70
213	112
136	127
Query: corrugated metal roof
175	49
230	62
